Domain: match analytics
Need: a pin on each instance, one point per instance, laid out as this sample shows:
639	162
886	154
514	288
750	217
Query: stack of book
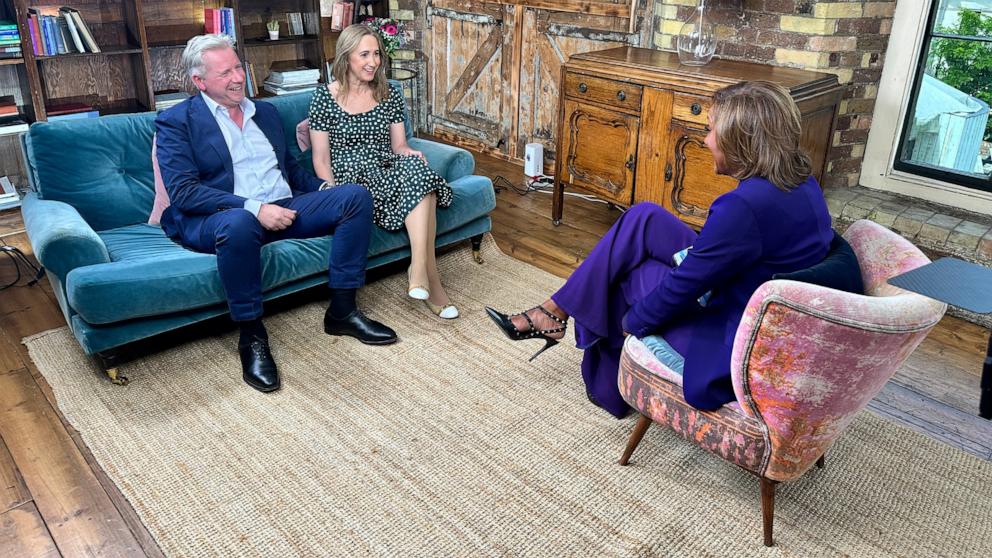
286	78
10	40
70	111
10	117
8	194
219	20
59	31
166	99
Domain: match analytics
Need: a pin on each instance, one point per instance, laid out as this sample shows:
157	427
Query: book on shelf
70	111
69	33
9	196
8	106
13	125
57	31
294	77
166	99
84	31
277	89
341	15
7	25
219	21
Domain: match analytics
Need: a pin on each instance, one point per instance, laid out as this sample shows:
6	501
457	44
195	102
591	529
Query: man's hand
274	217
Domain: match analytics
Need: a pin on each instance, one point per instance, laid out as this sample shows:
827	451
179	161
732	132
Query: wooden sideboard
632	122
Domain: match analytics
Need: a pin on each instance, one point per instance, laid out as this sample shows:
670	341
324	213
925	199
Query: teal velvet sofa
119	279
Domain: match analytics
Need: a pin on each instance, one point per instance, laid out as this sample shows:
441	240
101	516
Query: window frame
915	168
895	98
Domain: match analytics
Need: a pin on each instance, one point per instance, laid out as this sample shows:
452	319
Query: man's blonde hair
758	128
347	43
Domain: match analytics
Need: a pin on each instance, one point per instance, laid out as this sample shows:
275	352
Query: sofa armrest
450	162
60	238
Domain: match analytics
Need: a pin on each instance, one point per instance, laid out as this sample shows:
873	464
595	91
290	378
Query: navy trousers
627	264
237	237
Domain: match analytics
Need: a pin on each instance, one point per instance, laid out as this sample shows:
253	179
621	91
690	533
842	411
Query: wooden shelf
10	61
281	40
167	45
108	51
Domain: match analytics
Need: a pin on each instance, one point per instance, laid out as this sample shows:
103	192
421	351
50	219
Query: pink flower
390	29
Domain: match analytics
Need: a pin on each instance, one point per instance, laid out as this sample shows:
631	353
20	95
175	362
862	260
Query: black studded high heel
505	324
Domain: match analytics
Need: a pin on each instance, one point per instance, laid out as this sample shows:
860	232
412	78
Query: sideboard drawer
608	92
691	108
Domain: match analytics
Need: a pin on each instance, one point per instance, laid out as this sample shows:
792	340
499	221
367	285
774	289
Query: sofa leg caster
116	377
477	249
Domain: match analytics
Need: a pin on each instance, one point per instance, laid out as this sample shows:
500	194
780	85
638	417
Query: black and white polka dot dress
361	153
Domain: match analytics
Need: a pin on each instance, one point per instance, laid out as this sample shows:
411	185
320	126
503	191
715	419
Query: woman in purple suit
775	221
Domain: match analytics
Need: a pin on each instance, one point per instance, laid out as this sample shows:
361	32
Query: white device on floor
534	159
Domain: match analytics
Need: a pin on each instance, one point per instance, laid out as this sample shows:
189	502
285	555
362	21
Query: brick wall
846	38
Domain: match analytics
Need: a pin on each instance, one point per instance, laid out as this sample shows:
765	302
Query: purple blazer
752	233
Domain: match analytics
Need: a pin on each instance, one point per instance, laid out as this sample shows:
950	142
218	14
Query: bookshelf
141	43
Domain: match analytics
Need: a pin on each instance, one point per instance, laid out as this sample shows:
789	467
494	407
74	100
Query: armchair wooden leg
768	508
821	461
635	438
477	249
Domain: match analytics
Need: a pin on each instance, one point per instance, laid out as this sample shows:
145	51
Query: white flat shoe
447	312
418	292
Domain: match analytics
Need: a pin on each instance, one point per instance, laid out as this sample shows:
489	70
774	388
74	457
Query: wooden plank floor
56	501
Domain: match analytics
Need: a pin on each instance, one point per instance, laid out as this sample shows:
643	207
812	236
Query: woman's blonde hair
758	129
347	43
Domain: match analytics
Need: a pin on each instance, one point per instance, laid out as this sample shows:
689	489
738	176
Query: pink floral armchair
806	360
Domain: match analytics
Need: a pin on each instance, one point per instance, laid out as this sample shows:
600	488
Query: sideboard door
469	67
600	151
691	183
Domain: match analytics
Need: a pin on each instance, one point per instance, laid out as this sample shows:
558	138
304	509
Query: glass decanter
696	41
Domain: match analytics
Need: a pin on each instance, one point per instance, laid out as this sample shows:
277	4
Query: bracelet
325	185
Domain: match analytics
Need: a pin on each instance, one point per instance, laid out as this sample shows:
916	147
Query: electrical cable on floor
20	259
544	184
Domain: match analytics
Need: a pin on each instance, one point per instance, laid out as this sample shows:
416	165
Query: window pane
949	130
969	18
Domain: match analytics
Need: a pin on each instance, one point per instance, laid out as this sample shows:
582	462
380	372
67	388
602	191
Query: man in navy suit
233	188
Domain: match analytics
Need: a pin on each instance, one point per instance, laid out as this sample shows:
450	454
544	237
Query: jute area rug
450	444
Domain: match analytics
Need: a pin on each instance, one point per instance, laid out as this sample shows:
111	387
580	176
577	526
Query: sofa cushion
150	275
100	166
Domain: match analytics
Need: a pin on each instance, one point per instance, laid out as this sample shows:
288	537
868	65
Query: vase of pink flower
390	31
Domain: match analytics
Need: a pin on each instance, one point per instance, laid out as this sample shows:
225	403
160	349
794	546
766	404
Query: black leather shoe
257	365
358	326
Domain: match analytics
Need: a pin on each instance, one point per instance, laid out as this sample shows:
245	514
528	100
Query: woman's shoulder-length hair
758	129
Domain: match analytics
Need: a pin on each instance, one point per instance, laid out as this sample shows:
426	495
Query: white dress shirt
256	170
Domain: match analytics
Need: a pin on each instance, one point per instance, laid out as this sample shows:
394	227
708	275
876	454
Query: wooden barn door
548	37
469	66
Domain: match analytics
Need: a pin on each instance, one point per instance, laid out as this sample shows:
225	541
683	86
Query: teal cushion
100	166
149	275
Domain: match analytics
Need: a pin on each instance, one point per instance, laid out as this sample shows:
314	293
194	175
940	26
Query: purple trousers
629	262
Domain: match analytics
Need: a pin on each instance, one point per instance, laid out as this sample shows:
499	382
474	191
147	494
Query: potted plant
273	27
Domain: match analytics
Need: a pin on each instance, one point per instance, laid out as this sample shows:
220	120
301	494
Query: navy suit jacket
751	233
196	164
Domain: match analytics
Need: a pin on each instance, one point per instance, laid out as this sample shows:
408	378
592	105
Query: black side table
962	284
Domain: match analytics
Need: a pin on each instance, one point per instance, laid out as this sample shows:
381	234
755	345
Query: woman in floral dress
357	136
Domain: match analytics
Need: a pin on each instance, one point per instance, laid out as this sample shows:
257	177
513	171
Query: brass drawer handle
621	95
583	88
696	109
